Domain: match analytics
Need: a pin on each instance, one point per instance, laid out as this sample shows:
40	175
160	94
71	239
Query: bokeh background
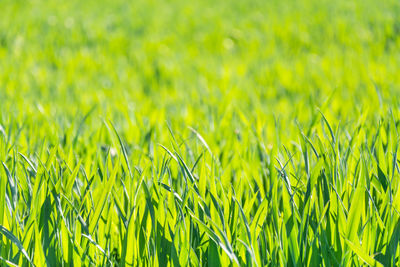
213	65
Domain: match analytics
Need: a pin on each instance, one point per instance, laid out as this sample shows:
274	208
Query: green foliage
250	133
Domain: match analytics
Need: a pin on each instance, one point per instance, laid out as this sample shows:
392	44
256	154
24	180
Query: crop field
204	133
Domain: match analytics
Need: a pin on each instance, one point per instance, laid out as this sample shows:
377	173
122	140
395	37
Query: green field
212	133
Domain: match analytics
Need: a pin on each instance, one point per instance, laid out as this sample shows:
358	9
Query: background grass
208	133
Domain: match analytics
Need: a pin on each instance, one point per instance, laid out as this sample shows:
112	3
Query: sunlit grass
260	133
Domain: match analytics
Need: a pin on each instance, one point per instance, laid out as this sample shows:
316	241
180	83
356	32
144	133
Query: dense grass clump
258	133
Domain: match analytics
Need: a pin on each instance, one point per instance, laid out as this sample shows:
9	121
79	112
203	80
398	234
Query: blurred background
207	64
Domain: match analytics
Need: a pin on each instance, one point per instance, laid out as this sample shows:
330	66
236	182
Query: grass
258	133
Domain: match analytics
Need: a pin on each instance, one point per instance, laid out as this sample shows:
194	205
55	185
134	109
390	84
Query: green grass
258	133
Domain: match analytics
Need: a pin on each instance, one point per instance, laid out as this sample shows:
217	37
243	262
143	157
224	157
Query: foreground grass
330	198
248	133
